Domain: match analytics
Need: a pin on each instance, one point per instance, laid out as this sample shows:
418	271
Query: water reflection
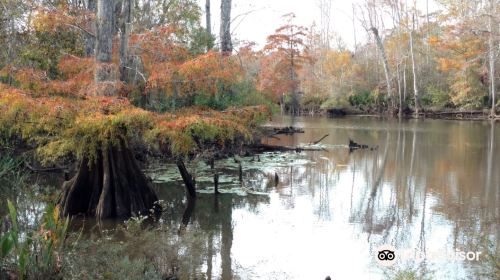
429	186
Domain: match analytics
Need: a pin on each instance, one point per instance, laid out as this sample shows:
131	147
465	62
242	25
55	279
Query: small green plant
134	224
34	254
8	164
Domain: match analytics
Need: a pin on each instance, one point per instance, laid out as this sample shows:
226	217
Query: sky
254	20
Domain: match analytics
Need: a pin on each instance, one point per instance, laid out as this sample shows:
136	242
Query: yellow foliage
61	126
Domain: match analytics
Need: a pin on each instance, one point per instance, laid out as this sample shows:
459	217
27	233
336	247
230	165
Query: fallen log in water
319	140
273	148
354	146
287	130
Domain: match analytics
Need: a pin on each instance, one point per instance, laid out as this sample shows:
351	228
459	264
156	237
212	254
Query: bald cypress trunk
112	185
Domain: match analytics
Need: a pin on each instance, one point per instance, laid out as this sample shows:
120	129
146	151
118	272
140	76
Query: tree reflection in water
430	186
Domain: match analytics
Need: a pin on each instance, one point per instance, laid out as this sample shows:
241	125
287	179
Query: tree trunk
189	182
111	186
124	38
414	70
104	47
104	36
226	46
398	75
491	50
405	87
385	62
208	17
89	39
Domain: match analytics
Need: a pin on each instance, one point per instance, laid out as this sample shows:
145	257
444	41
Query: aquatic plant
34	254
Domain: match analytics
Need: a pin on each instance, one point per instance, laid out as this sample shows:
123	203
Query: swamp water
430	188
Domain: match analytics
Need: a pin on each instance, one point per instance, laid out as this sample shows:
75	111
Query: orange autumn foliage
209	72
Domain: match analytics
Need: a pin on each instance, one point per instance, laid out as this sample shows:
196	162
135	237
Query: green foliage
8	164
134	225
34	254
240	94
312	102
90	134
48	47
336	103
201	40
362	99
436	97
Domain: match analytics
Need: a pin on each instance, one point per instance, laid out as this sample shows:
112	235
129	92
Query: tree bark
104	37
226	45
188	181
414	70
385	62
104	47
90	39
208	17
398	75
124	38
110	186
491	50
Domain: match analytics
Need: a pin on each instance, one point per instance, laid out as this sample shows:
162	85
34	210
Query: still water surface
428	186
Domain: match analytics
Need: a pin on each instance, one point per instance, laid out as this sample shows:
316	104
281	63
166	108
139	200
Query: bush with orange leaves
64	126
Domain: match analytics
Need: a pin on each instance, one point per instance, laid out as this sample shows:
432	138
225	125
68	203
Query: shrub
336	103
362	99
436	97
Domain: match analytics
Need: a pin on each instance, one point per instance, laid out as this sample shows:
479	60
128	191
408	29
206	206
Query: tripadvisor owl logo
385	255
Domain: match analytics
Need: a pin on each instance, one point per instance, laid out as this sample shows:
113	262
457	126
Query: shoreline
470	115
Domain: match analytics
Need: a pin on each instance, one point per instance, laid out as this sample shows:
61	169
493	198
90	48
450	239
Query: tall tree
414	67
111	184
226	45
491	56
371	27
287	47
